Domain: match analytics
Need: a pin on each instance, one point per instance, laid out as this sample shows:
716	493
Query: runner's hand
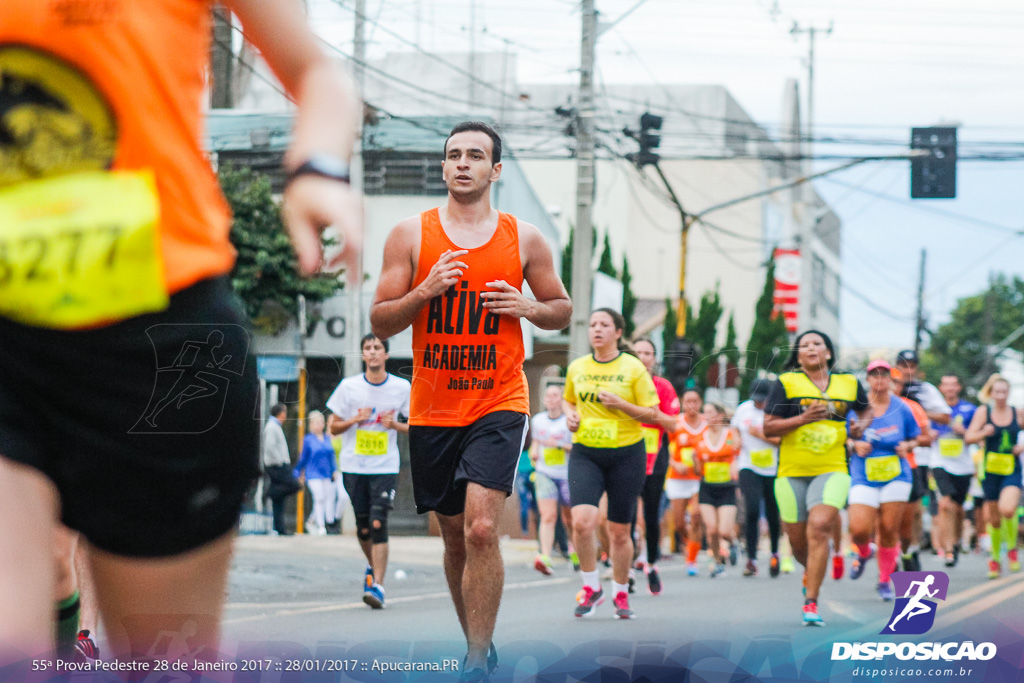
988	429
364	414
387	419
443	274
815	413
572	420
610	400
311	204
507	300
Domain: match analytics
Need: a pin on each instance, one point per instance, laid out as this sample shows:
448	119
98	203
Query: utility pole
582	253
811	32
472	51
221	59
354	317
919	329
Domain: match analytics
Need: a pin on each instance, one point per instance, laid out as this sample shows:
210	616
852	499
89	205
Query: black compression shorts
618	471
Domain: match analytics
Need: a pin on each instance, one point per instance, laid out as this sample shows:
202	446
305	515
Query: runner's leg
484	576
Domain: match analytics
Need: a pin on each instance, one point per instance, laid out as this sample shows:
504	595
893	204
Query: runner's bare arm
326	124
552	308
397	303
976	432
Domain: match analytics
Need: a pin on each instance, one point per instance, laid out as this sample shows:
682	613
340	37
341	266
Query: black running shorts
955	486
618	471
369	491
149	427
445	459
717	495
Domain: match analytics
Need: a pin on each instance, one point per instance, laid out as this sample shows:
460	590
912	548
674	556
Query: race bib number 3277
80	250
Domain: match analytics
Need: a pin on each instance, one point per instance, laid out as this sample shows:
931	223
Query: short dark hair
479	127
371	337
276	409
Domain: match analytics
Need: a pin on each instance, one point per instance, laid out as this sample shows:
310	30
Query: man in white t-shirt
365	410
549	452
758	464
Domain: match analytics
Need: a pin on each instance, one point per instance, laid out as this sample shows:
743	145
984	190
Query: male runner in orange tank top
455	274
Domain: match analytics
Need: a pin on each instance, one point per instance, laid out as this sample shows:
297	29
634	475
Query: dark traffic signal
933	176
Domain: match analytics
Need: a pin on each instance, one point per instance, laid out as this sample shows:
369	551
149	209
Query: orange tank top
95	85
716	459
467	362
685	442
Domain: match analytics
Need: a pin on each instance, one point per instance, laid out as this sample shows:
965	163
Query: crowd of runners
127	407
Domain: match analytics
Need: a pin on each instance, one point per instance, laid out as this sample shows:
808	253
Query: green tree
769	340
730	349
606	265
567	256
629	299
703	329
961	346
265	275
668	332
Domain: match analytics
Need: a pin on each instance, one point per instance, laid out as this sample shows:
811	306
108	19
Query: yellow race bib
882	468
369	442
950	447
553	457
762	458
716	472
817	437
1000	463
80	250
686	457
652	439
598	433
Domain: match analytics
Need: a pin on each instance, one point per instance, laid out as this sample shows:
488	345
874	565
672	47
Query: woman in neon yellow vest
997	426
808	407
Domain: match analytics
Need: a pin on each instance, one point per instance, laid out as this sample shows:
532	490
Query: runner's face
316	424
603	335
374	354
880	382
645	352
712	415
692	403
812	352
909	370
553	397
468	171
950	388
1000	393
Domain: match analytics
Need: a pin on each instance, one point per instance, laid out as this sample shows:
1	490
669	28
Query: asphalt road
299	598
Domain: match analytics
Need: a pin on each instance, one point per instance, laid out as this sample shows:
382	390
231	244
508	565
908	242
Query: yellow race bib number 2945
80	250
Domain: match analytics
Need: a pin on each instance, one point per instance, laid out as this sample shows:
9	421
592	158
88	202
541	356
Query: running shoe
85	647
994	569
622	610
750	569
374	596
733	555
587	601
773	567
632	580
653	581
858	564
886	592
1011	555
575	559
950	560
787	564
717	569
492	658
605	560
543	565
838	566
811	616
691	568
368	579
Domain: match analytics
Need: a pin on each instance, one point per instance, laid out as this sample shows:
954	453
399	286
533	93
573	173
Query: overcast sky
887	65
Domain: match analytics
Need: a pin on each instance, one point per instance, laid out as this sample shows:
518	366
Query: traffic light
679	361
649	139
933	176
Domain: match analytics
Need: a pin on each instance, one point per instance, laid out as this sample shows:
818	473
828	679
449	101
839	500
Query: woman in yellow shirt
608	394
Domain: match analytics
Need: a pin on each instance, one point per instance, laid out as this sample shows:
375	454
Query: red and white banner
787	285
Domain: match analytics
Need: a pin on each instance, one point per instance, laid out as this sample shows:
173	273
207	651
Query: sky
886	66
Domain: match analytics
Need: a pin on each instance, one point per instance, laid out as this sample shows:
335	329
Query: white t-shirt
553	460
367	447
753	449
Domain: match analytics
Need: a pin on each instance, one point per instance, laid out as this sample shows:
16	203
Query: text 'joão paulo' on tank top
467	361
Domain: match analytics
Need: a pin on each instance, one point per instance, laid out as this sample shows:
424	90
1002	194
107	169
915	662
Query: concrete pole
354	317
582	253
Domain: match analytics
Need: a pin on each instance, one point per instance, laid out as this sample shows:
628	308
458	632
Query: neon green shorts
798	495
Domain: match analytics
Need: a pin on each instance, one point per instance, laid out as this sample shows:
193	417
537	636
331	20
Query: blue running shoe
374	596
811	616
886	592
858	564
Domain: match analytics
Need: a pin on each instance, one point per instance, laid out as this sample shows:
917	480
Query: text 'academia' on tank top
467	361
